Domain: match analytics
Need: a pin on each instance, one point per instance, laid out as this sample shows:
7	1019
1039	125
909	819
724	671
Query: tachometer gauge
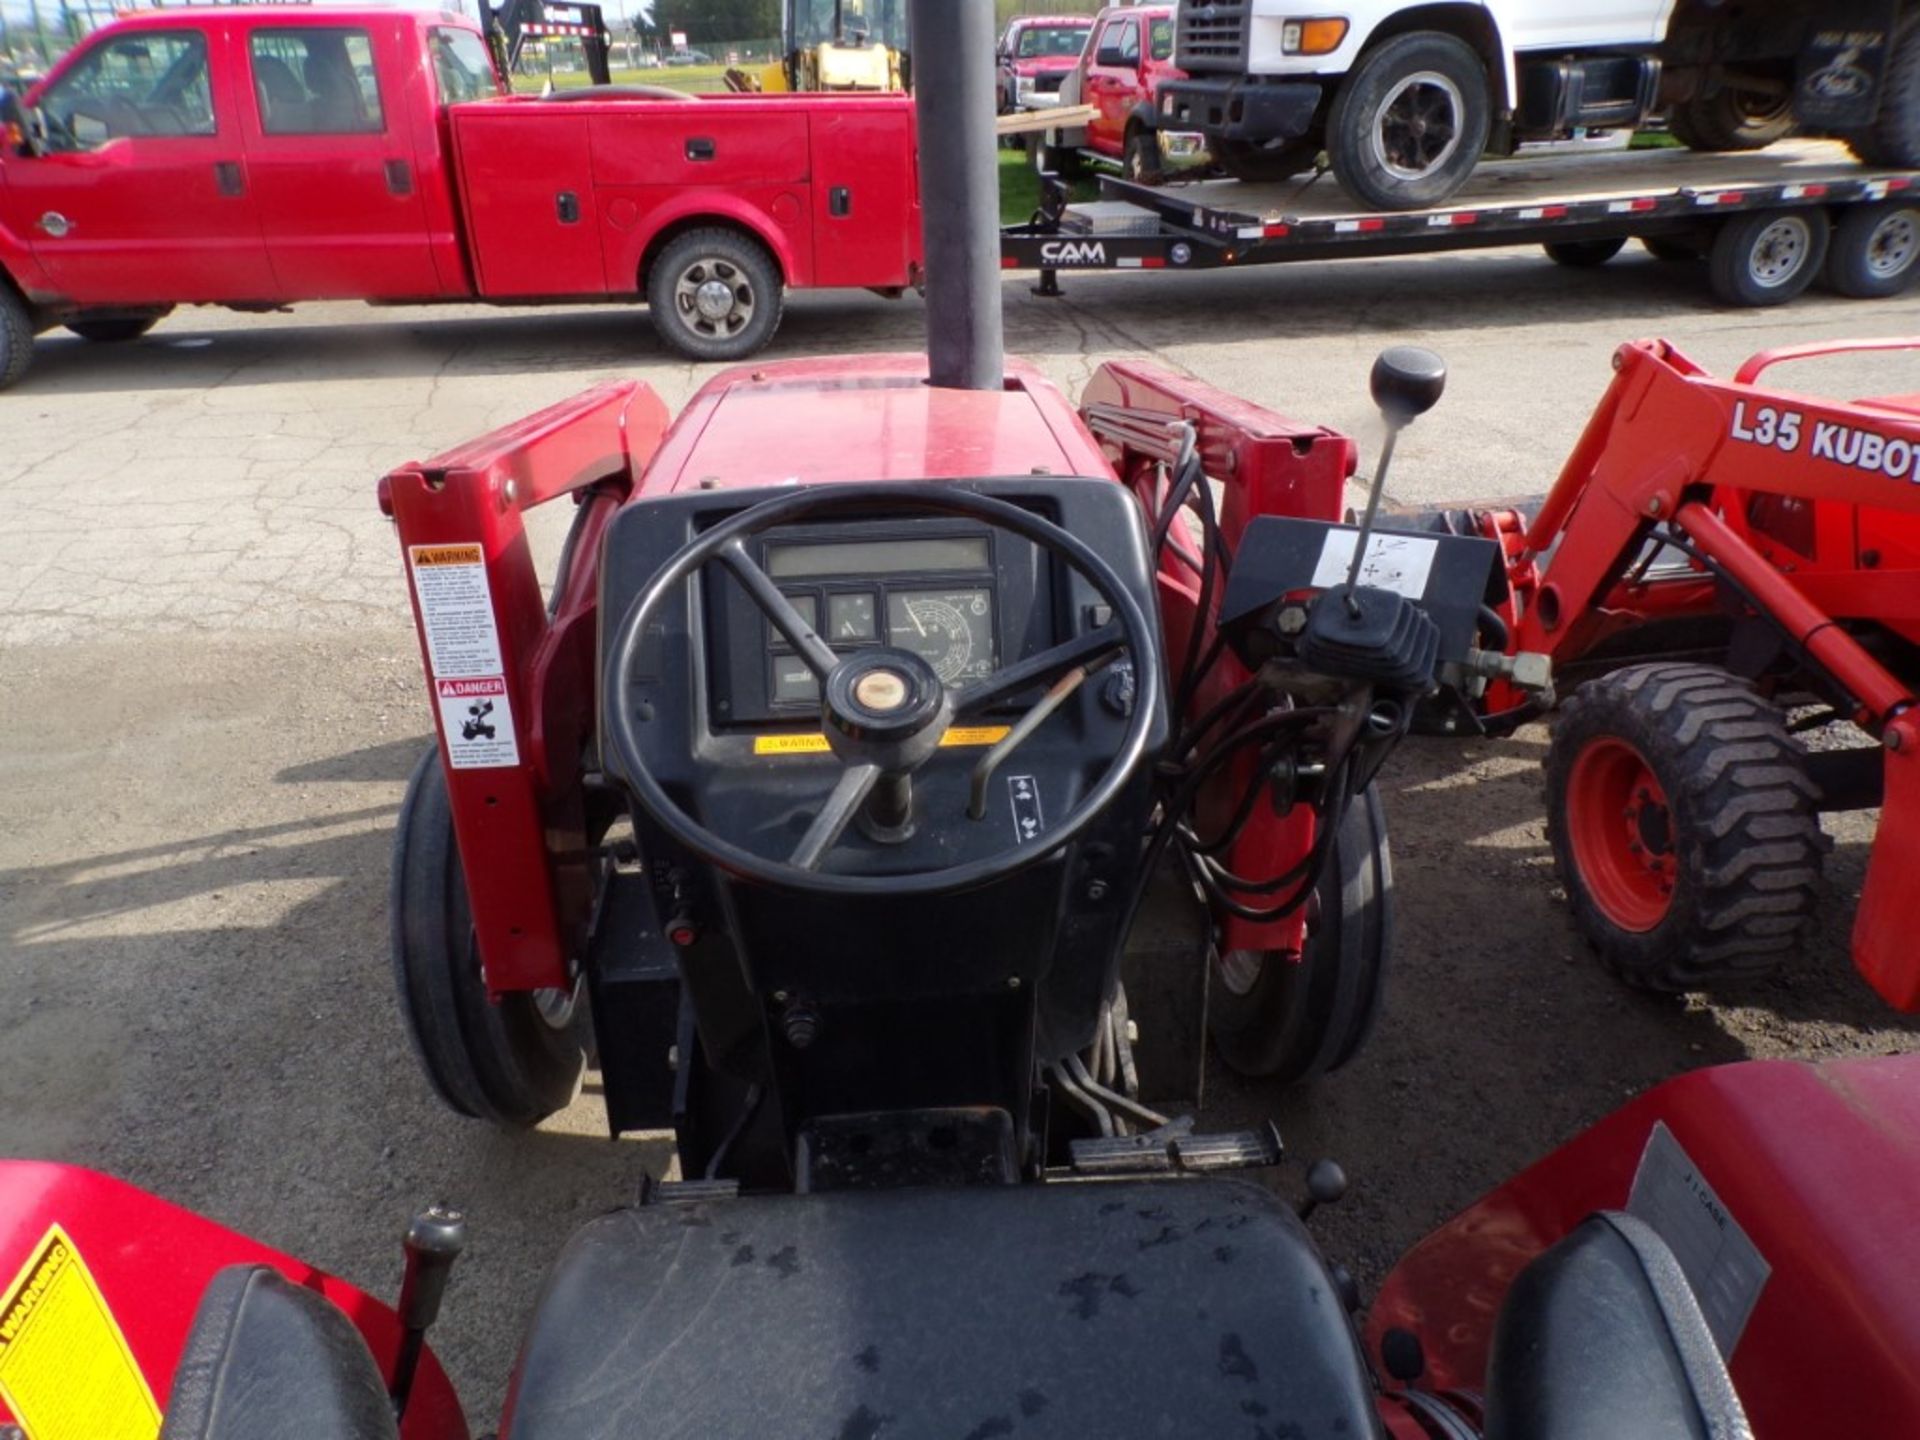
952	630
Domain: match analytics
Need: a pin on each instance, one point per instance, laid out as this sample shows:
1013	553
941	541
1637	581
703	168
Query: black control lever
1406	383
1326	1185
434	1241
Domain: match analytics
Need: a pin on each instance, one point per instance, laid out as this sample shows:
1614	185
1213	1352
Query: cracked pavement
210	696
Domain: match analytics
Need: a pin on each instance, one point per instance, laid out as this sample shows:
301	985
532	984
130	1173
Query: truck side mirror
1110	55
16	126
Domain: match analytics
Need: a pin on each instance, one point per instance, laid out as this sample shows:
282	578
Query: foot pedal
1174	1149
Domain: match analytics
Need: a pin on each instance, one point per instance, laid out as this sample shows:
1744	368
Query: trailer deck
1558	200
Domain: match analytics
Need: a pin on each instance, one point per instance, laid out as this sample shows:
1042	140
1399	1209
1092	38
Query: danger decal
1788	431
463	654
65	1370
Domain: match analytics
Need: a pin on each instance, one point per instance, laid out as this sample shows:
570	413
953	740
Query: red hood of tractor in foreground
812	422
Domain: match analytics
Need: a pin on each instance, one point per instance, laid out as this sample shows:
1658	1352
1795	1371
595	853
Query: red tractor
1722	570
823	791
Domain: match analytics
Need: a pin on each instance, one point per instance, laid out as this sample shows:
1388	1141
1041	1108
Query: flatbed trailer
1767	223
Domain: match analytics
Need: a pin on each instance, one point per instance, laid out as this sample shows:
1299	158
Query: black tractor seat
1096	1309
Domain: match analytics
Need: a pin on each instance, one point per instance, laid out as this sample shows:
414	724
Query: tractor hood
810	422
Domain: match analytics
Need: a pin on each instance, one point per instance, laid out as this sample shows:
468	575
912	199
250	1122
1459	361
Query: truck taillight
1313	37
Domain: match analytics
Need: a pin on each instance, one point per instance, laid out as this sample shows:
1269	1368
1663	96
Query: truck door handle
839	202
700	149
567	205
399	178
228	175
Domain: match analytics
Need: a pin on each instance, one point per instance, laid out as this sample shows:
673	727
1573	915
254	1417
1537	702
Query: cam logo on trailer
1073	252
65	1370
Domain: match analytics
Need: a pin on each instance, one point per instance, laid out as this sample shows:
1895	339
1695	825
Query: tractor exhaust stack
953	79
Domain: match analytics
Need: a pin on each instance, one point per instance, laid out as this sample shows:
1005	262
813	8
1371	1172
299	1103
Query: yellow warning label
65	1369
446	555
959	736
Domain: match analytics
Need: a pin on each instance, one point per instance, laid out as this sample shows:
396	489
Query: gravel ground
210	697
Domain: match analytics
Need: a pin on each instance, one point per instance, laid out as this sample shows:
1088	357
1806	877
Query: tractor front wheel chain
1684	825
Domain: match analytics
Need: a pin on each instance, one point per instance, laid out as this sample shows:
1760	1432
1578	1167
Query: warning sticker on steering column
65	1370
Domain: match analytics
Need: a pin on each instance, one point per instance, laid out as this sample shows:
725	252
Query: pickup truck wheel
1046	159
16	336
1894	137
1411	121
1770	257
1293	1020
1584	254
116	331
1731	119
715	295
1140	163
1876	251
1257	164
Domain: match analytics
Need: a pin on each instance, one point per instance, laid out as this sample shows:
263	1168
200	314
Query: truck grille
1211	36
1048	84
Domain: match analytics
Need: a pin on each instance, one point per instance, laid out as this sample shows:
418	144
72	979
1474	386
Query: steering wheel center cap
882	691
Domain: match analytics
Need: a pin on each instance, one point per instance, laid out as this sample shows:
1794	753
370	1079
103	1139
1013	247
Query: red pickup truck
256	157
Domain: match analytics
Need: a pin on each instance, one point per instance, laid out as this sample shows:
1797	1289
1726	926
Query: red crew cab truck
254	157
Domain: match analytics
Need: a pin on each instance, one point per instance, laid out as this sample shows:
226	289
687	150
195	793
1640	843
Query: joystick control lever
434	1241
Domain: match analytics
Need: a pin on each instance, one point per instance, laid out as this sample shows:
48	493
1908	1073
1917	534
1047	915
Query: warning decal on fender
1722	1264
477	719
65	1369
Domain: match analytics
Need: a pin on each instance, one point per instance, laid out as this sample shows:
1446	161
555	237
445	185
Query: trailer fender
705	209
1472	22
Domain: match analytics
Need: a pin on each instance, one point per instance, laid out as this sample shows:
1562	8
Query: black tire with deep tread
1894	137
501	1063
1746	831
1718	122
737	249
1301	1021
16	336
1584	254
1730	263
1259	164
1349	120
1140	161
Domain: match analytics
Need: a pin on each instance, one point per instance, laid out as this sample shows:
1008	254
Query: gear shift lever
434	1241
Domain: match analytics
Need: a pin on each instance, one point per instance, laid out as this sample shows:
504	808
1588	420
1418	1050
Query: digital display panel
879	557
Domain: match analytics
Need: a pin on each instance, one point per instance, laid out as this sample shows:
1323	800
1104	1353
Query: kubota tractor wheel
511	1063
715	295
1289	1020
1683	822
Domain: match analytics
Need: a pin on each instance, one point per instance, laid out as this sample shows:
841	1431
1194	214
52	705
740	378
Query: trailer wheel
1894	137
1291	1021
1684	825
1411	121
1257	165
715	295
1875	251
1584	254
511	1063
1140	162
1770	257
117	330
1732	119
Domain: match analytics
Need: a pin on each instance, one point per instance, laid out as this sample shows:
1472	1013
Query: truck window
143	83
462	66
1124	36
316	82
1040	41
1161	32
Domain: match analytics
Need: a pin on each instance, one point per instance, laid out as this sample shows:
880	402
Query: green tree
713	22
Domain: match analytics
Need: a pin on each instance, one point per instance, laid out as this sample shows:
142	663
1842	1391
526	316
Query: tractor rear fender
518	801
703	210
1889	913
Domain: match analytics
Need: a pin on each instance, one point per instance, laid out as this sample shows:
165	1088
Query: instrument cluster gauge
952	630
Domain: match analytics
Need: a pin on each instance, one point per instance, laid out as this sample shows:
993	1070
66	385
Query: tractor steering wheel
885	710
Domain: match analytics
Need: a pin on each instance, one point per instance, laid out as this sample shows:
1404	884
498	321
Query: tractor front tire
16	336
1294	1020
511	1063
1684	825
715	294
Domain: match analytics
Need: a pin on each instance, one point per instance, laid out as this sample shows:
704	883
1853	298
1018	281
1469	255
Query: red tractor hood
815	422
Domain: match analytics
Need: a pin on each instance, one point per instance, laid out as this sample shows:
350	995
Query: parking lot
210	694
